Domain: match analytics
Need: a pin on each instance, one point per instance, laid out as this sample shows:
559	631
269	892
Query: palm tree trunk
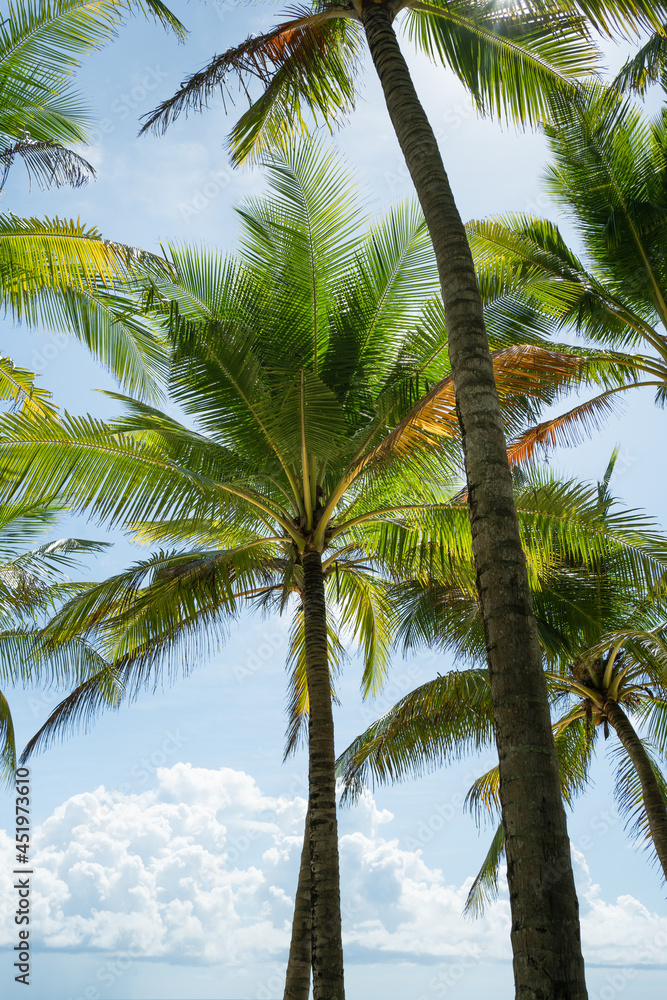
327	947
654	803
297	979
545	914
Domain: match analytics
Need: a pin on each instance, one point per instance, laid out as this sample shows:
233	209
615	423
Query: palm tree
609	173
297	475
510	58
624	671
55	271
600	642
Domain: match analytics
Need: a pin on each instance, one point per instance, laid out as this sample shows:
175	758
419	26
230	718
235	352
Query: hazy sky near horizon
167	839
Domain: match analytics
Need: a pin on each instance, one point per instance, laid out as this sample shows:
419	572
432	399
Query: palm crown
509	56
609	172
598	591
295	366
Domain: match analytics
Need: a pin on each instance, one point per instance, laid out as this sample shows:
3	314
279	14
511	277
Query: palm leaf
306	63
509	59
484	888
48	163
42	42
647	66
437	722
18	386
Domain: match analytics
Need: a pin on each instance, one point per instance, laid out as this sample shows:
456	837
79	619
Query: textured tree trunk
297	980
548	963
654	803
327	947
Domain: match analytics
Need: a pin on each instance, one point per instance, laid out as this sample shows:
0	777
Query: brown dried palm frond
568	429
293	46
49	163
520	370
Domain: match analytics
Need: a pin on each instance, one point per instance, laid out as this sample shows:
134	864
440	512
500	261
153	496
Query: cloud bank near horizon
202	868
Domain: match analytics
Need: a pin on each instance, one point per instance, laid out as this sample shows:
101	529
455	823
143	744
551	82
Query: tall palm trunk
654	803
297	979
327	947
548	963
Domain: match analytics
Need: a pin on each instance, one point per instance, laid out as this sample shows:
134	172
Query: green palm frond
646	67
313	77
437	722
42	42
310	221
63	273
365	610
307	64
609	168
79	709
7	742
17	385
484	889
629	796
509	59
297	710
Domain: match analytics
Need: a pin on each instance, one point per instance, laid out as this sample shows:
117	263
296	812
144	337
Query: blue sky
167	838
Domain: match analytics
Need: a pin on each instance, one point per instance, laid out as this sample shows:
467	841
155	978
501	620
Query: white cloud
202	869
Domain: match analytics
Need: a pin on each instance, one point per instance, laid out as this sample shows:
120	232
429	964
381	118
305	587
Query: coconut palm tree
293	364
609	173
623	671
510	57
54	271
603	640
391	299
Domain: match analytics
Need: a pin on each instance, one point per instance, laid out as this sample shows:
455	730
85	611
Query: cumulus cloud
202	869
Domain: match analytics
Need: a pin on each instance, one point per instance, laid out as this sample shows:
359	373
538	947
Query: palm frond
647	66
509	58
306	63
18	386
629	796
79	709
438	721
484	889
49	163
42	42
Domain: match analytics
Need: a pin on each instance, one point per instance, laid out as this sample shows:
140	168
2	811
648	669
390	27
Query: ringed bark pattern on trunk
654	803
327	947
548	964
